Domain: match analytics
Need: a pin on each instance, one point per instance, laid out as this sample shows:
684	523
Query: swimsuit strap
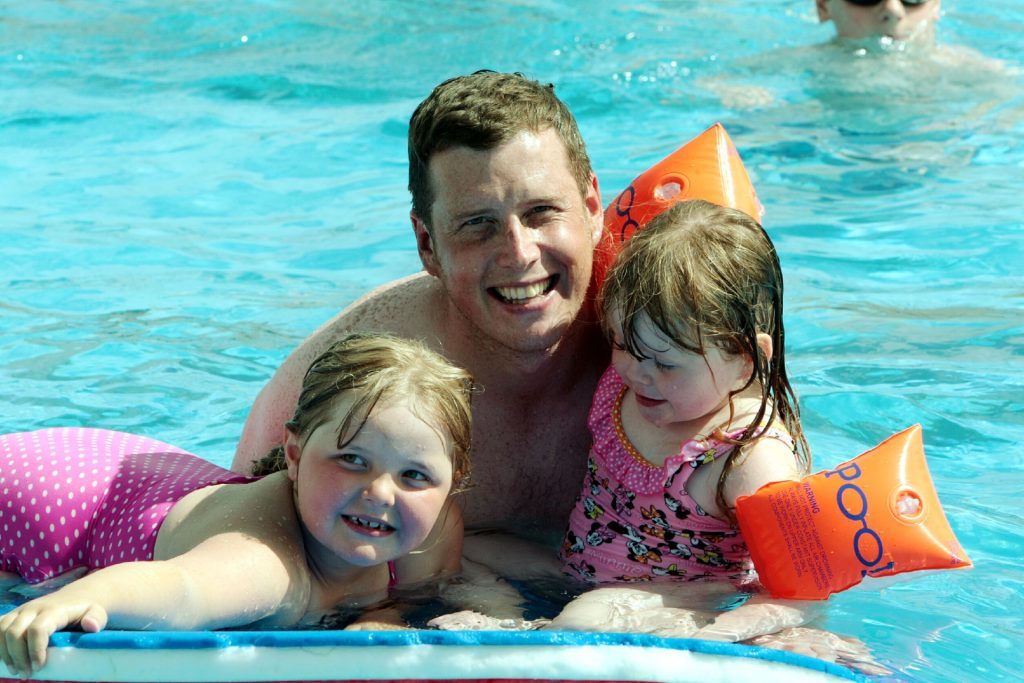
392	576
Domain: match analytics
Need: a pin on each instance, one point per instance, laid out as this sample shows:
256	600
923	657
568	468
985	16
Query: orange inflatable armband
876	515
708	167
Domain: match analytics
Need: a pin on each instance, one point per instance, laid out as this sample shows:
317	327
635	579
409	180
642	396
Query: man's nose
520	247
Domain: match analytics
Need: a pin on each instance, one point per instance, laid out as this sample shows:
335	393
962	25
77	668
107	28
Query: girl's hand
25	631
758	616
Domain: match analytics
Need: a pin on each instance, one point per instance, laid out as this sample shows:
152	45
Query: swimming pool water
187	191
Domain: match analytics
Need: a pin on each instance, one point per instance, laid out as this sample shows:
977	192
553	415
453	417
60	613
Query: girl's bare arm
244	572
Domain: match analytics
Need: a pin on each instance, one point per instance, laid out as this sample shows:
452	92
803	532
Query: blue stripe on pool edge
189	640
171	640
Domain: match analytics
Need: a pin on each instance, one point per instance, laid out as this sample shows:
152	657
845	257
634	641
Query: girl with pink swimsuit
378	443
695	411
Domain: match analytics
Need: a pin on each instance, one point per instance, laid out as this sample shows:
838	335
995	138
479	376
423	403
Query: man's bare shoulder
407	307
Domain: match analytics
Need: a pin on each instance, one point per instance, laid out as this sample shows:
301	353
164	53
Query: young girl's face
674	387
377	497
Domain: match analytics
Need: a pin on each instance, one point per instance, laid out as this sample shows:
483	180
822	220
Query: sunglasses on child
872	3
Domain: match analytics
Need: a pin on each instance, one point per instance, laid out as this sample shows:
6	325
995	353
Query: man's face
511	238
887	18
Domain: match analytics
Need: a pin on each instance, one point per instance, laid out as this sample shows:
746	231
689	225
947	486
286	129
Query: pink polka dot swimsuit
75	497
635	521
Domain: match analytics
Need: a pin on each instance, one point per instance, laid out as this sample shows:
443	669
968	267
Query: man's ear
592	203
822	6
292	454
425	245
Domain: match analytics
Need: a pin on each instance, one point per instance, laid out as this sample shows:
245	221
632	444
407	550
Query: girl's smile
370	527
647	402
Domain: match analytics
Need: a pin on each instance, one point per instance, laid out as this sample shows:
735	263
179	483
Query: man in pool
906	20
506	213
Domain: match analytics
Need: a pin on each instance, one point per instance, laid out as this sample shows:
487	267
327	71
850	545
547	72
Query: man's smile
524	293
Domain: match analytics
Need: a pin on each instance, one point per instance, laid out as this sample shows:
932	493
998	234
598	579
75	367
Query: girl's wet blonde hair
709	275
372	367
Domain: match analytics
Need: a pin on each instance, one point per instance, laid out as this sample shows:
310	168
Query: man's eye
477	221
539	214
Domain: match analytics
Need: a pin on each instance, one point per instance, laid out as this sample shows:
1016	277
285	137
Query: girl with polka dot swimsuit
378	443
695	411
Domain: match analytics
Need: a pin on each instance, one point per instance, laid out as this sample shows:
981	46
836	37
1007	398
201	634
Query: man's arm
274	405
405	308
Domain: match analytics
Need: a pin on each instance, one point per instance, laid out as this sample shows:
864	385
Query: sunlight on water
189	191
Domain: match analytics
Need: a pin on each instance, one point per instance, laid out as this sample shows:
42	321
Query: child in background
904	20
884	55
378	443
905	26
695	411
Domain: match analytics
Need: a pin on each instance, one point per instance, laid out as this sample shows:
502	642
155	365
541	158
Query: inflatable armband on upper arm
875	515
708	167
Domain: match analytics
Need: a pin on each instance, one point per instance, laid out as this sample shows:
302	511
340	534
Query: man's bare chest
527	477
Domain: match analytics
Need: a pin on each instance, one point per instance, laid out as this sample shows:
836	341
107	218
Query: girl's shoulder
746	408
243	545
774	432
261	508
770	458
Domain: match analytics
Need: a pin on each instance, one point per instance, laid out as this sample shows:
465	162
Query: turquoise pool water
188	190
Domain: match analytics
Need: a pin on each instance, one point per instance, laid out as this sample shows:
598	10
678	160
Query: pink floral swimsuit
89	497
634	521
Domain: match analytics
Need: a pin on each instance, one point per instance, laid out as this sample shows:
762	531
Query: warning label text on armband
794	509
